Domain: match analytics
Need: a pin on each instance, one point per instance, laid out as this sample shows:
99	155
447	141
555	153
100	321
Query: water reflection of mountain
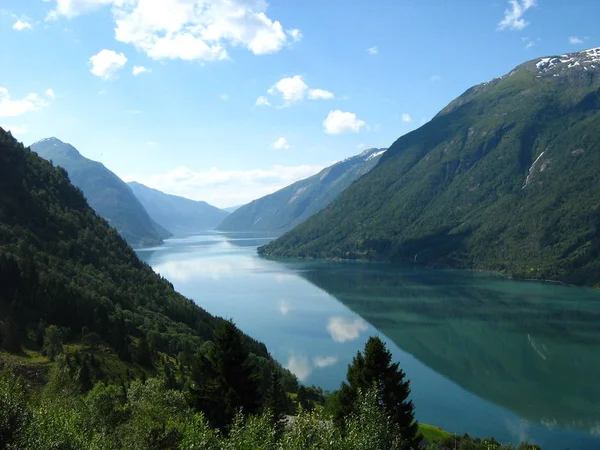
530	347
248	239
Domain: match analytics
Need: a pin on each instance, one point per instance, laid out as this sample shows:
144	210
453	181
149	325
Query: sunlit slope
505	178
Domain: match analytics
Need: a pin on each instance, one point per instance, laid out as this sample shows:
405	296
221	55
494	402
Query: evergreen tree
375	367
229	380
143	354
276	400
53	344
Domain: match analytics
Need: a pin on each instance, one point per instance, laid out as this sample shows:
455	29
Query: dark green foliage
106	193
14	407
466	442
275	401
62	265
226	380
375	368
177	214
53	342
311	396
148	415
504	179
292	205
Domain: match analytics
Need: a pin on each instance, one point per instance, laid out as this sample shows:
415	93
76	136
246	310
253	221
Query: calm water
485	355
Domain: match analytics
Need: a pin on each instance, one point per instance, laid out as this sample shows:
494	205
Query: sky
229	100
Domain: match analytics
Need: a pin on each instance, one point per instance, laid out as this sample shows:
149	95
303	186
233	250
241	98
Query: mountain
231	209
106	193
61	264
177	214
505	178
292	205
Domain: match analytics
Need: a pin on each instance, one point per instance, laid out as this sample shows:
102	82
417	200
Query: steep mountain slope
177	214
106	193
292	205
62	264
505	178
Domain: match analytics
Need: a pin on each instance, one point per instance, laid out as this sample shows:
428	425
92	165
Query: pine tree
375	367
228	379
275	400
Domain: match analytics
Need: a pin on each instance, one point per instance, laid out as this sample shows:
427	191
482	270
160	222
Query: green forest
503	179
100	352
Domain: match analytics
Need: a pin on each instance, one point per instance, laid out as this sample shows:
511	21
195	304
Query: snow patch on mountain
585	59
375	155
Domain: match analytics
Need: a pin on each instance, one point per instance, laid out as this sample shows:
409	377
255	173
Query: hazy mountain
61	264
177	214
231	209
290	206
105	192
505	178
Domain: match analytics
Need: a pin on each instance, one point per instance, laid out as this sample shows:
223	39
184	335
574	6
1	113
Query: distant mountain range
106	193
179	215
505	178
290	206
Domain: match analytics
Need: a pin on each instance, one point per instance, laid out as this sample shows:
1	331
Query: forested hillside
505	178
63	266
105	192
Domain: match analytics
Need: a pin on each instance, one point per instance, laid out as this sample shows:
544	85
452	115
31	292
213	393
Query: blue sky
233	99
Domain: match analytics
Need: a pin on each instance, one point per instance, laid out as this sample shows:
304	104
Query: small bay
485	355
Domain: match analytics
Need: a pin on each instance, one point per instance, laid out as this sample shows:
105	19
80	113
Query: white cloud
14	108
324	361
262	101
72	8
319	94
50	93
294	89
338	122
513	16
373	50
406	118
137	70
343	329
224	97
225	187
295	34
106	63
21	25
575	40
15	129
281	143
189	29
300	366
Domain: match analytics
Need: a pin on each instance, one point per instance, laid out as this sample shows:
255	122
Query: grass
432	433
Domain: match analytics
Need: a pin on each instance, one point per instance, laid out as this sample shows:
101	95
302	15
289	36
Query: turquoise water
485	355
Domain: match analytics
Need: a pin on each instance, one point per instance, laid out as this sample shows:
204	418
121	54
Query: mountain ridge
105	191
498	180
175	213
290	206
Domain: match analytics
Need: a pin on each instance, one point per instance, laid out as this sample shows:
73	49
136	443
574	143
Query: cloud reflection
300	366
284	307
324	361
343	329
